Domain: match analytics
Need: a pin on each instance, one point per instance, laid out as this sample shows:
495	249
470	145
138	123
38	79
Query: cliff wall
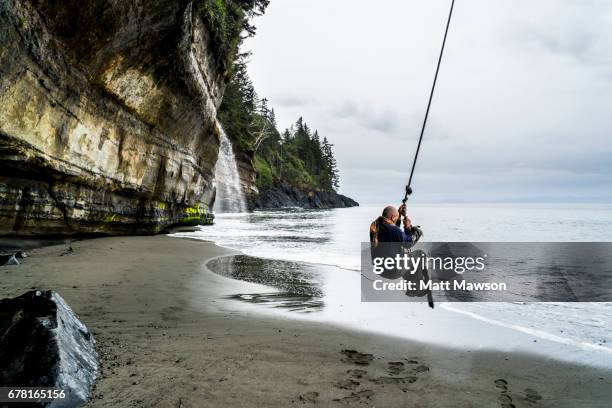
107	116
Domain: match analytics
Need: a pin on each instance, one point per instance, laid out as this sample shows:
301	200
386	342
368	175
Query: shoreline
169	336
472	330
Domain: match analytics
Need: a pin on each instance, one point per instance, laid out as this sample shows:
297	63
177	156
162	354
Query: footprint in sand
532	395
348	384
501	384
356	397
357	373
395	367
420	369
504	399
403	383
310	396
395	380
355	357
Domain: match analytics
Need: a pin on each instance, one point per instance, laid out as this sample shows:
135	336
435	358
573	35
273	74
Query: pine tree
317	154
252	8
272	118
263	108
286	135
298	156
330	178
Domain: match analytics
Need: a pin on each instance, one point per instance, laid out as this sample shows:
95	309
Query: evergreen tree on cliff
298	159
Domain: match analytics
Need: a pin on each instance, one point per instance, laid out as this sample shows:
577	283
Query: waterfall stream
230	197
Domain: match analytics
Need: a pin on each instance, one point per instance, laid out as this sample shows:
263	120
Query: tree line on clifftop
298	156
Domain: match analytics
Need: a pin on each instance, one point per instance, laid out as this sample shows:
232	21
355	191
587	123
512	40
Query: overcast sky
522	111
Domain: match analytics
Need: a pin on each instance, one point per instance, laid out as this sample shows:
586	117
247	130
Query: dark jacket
386	241
393	233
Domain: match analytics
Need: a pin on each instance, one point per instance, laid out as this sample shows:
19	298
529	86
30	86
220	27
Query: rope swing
431	94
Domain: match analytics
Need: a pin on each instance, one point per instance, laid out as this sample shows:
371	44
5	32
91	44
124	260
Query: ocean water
333	237
571	331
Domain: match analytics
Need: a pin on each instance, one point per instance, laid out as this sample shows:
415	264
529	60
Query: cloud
292	101
579	30
521	106
384	120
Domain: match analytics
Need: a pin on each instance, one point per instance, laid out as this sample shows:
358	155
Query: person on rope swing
386	231
386	228
393	240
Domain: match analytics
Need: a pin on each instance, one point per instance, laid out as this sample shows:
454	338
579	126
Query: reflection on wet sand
286	300
299	284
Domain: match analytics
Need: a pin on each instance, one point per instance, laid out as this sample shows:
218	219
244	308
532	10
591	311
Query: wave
545	335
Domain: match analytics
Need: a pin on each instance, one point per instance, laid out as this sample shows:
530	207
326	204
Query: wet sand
170	335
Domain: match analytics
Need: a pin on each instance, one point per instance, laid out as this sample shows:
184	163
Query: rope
431	94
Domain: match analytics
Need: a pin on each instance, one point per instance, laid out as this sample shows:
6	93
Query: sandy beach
168	336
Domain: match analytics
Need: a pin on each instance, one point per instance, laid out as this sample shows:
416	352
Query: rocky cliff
283	195
248	176
107	116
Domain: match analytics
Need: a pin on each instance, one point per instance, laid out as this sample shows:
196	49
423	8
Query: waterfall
230	197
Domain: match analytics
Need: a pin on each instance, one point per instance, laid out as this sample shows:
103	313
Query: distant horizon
421	202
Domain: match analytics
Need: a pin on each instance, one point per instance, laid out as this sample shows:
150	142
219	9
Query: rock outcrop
12	259
107	116
44	344
248	176
284	196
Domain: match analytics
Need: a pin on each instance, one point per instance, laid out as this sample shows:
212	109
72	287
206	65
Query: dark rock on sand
12	259
44	344
8	260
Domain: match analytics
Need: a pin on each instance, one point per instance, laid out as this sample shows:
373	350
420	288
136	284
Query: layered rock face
248	176
107	116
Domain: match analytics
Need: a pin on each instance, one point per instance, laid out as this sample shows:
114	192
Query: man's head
391	213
